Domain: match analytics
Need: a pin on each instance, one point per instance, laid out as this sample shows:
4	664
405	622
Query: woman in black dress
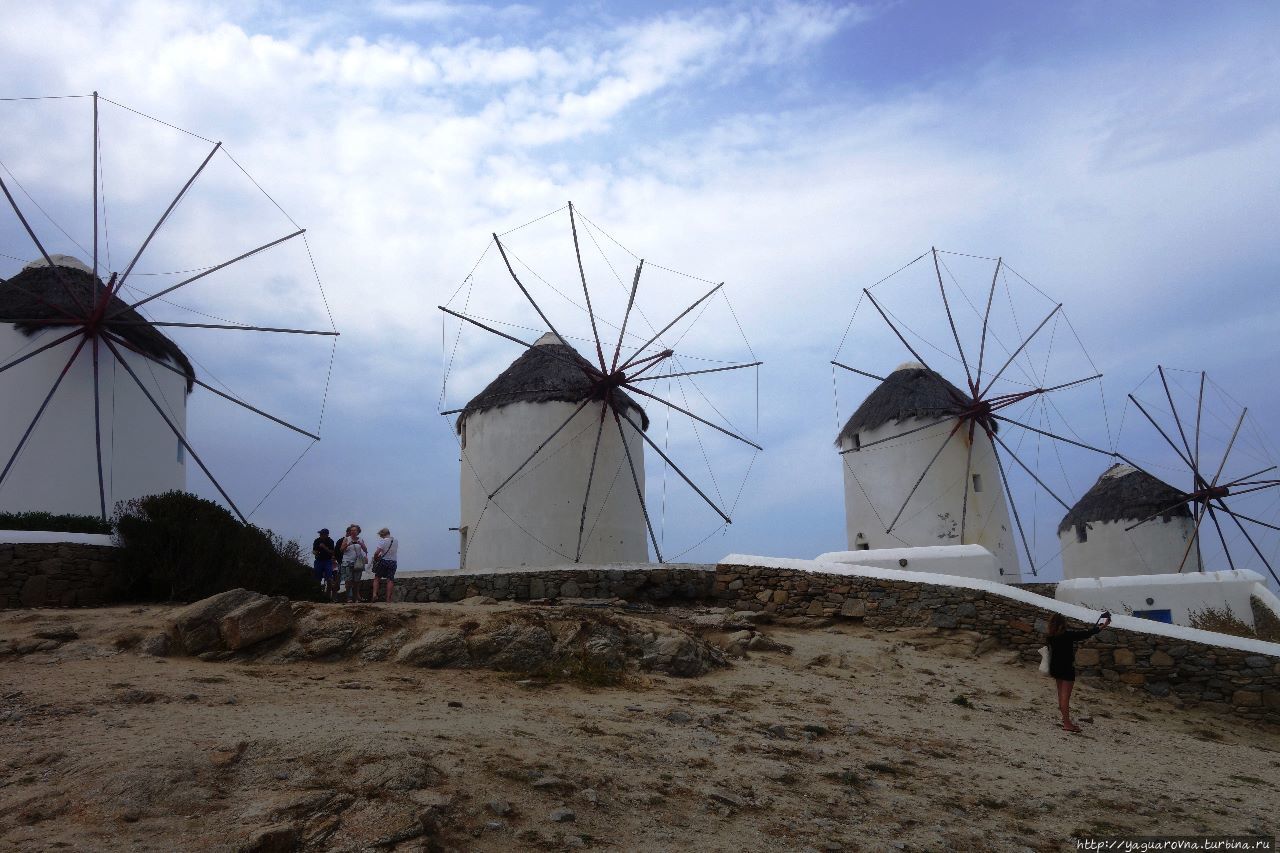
1062	660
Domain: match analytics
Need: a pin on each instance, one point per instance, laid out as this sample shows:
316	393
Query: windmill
553	449
95	386
1220	453
928	461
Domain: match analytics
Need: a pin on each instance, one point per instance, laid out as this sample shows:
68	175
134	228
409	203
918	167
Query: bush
178	547
1225	621
48	521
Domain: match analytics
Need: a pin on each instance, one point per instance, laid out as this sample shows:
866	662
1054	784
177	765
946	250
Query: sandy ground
856	741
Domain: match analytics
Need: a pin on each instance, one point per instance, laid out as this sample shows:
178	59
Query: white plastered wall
536	518
1156	547
965	561
878	479
1181	594
57	469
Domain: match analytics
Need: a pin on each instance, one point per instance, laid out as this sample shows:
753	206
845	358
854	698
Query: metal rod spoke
626	317
635	479
1033	475
1003	400
644	393
968	466
209	271
40	412
1258	488
95	237
173	428
923	474
946	305
1020	348
1230	444
591	475
1199	409
665	328
538	449
674	467
1257	521
1017	517
1167	510
1248	478
194	380
1053	435
1195	537
693	372
35	352
595	332
860	372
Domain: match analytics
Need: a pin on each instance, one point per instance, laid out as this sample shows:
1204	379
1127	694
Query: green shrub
1225	621
178	547
48	521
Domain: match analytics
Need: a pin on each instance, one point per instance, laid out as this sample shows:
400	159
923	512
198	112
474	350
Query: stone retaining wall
55	574
1245	683
687	583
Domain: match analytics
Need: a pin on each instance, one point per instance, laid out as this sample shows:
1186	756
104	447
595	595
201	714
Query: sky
1120	157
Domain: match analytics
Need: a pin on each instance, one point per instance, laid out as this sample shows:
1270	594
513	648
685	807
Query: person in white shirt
384	562
354	554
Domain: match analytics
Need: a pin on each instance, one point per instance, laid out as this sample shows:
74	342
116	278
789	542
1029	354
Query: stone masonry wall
1235	681
55	574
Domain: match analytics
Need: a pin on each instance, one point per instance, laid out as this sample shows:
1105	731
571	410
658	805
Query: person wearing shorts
384	562
354	555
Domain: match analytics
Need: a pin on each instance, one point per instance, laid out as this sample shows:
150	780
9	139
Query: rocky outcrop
226	622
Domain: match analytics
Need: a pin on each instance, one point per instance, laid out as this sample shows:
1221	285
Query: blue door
1165	616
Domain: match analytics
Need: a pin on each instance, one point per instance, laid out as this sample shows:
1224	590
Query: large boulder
229	621
439	647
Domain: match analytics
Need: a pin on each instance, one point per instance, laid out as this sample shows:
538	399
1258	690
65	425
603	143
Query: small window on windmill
1082	533
462	433
857	441
860	543
977	482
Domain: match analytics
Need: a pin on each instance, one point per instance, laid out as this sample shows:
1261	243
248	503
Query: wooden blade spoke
62	374
584	366
1178	422
591	475
962	403
1032	474
1168	440
57	272
626	317
595	332
1002	400
889	438
1213	516
1230	445
674	466
635	478
1020	348
968	466
1248	478
923	474
117	312
538	449
946	305
229	328
35	352
1194	538
1013	505
693	372
97	421
982	346
196	381
860	372
527	295
665	328
1252	544
644	393
173	428
1199	409
182	192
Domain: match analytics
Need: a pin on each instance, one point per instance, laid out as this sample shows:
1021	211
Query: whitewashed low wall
965	561
1181	594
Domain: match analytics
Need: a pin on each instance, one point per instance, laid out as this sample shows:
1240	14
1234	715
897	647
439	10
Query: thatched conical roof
911	391
1123	493
38	293
544	372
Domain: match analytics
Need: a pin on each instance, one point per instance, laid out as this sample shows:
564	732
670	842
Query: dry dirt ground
858	740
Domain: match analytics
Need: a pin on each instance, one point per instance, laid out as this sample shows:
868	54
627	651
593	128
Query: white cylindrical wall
57	469
536	518
878	479
1105	549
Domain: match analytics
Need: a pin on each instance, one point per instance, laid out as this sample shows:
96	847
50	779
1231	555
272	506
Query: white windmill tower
60	468
902	491
1101	537
529	441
